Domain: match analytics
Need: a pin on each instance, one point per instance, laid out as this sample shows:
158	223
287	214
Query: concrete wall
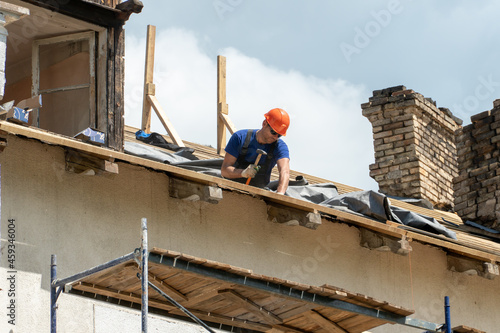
87	220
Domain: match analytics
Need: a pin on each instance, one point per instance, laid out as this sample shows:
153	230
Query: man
241	152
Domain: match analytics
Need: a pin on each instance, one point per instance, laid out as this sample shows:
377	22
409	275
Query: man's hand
250	171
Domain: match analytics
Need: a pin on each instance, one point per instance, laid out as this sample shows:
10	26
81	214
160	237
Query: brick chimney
477	187
414	141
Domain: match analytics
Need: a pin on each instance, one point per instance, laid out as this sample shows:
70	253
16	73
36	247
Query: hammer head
261	152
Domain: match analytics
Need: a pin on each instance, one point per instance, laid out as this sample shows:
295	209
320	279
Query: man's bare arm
284	174
228	170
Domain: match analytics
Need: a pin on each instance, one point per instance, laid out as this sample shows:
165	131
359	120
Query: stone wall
477	187
414	141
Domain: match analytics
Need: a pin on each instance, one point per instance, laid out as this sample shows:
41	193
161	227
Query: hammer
260	152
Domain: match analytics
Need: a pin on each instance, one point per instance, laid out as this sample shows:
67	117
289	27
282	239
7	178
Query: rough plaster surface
88	220
110	319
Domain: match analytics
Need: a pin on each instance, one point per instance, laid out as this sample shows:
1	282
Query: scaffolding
142	257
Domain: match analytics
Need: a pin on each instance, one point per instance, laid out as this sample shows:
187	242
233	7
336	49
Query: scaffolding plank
225	294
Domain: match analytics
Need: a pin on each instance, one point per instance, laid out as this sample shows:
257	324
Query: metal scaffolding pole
447	316
53	294
144	275
183	309
142	257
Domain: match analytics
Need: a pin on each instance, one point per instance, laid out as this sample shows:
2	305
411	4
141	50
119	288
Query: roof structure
474	246
475	240
225	294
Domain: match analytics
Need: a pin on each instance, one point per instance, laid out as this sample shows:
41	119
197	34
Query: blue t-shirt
237	140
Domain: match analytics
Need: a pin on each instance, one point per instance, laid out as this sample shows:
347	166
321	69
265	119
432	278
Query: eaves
466	245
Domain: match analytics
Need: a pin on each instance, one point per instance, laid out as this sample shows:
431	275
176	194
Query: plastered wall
88	220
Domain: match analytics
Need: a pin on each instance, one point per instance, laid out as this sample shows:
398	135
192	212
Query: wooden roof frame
242	298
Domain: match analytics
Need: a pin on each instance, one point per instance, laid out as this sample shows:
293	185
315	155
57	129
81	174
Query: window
63	72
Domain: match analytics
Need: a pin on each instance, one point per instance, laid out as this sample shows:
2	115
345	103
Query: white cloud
328	136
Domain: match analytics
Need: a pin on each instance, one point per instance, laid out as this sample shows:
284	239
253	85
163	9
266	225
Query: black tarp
365	203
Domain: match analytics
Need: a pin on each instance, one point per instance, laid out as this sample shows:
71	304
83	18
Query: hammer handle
255	164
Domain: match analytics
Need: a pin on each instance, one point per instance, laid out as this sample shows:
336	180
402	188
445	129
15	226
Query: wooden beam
166	288
466	329
229	124
247	304
190	191
165	121
284	329
290	216
83	163
326	324
118	294
222	108
102	106
148	78
87	11
230	321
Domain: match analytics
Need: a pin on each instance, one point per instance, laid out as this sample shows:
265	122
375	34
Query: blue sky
317	59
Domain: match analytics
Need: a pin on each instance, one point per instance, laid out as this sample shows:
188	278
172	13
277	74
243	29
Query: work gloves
250	171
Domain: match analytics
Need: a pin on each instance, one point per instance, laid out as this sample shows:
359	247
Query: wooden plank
110	89
203	296
324	323
148	78
165	121
162	285
229	124
222	107
92	81
35	69
118	110
257	310
130	297
217	318
102	109
466	329
285	329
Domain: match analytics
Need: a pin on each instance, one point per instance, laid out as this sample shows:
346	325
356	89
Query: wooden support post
164	120
148	78
222	108
149	98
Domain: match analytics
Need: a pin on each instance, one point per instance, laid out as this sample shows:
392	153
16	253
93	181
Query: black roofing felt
366	203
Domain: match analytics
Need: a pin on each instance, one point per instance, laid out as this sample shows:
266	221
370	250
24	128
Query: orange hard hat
279	120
